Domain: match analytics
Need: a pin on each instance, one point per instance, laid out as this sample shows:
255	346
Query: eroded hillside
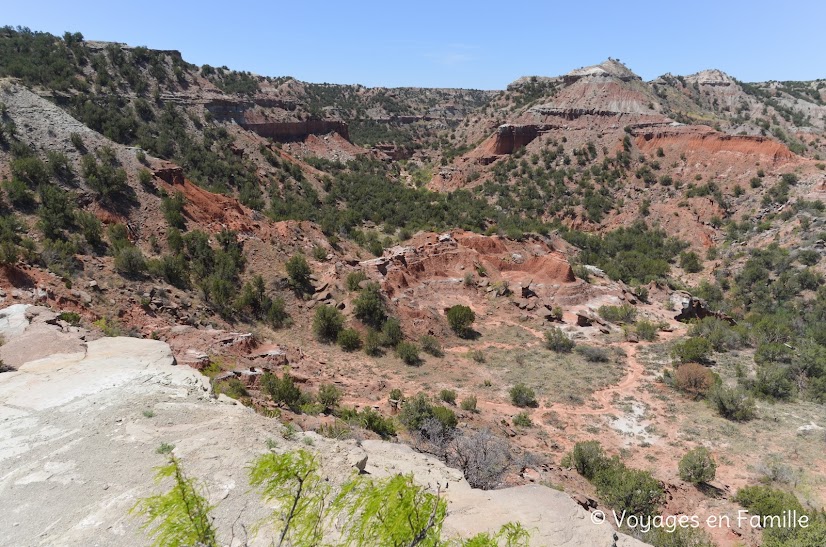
498	279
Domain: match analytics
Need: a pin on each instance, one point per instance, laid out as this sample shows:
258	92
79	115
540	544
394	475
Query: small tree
369	306
327	323
299	273
698	466
588	458
556	340
460	318
373	343
391	333
180	516
292	482
690	262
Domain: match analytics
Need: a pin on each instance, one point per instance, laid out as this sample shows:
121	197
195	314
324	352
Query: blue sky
456	44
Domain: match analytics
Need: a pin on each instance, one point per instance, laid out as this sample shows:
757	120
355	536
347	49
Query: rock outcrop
79	438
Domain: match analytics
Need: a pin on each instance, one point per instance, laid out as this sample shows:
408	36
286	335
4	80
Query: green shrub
446	417
107	178
690	262
90	227
108	327
70	317
56	212
417	411
77	142
522	420
319	253
594	354
30	170
448	396
646	330
349	339
329	396
468	403
430	345
354	279
172	268
19	194
692	350
129	262
373	421
522	395
635	254
408	352
460	318
774	381
396	395
631	490
732	403
588	458
368	306
60	167
145	177
634	491
282	390
767	501
698	466
327	323
276	313
118	237
391	333
718	333
173	210
299	272
556	340
372	343
233	387
625	313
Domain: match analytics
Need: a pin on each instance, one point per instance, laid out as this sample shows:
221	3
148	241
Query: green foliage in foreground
180	516
391	511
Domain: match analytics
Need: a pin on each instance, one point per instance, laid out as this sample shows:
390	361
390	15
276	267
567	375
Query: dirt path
604	398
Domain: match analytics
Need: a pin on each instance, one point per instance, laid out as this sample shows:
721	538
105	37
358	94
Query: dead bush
693	378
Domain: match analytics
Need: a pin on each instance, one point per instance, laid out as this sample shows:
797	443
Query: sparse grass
165	448
148	413
567	378
775	430
522	420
